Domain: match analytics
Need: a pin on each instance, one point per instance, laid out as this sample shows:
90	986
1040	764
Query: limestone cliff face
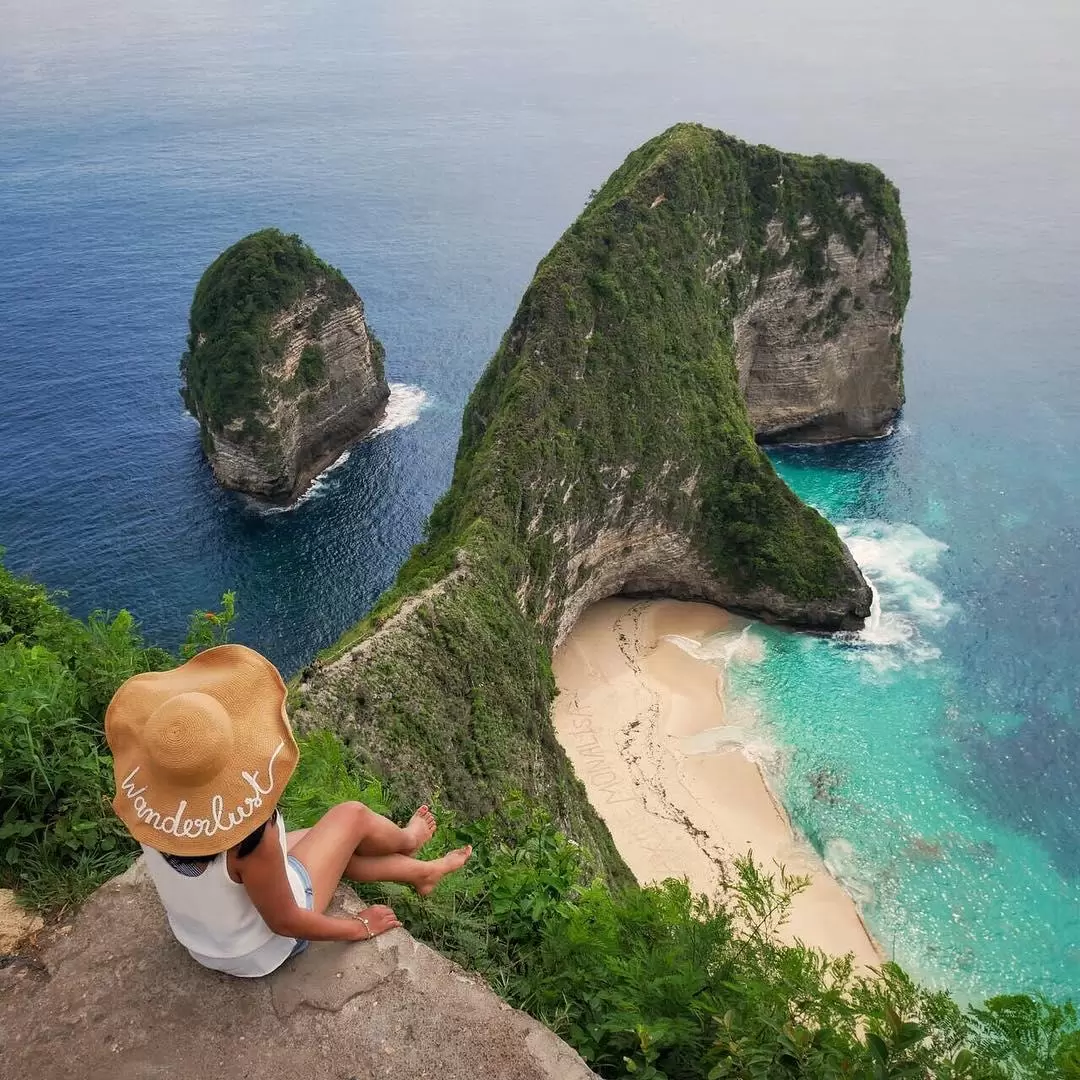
822	361
281	393
304	426
608	448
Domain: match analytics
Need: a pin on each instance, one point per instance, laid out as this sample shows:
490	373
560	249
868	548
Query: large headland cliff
281	370
711	292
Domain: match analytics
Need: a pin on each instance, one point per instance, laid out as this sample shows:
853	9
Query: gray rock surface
306	427
116	998
823	363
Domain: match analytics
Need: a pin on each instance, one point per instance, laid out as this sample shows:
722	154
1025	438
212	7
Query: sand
643	722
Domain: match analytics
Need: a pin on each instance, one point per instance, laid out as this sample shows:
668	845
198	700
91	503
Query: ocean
434	153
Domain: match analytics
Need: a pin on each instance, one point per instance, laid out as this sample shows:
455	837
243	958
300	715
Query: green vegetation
659	983
311	369
231	345
59	838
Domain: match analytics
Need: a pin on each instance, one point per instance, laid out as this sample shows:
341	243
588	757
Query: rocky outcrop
279	394
116	998
643	559
305	425
822	362
608	449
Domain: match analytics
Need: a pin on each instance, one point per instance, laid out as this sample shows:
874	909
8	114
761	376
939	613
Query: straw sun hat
201	753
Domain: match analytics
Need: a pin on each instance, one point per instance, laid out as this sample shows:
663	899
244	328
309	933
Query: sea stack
281	370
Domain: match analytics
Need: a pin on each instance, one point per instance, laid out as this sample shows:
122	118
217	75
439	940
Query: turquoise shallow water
926	785
434	152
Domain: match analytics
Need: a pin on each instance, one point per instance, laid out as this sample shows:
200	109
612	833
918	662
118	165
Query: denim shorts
309	899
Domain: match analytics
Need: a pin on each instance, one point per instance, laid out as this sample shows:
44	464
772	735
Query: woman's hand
373	921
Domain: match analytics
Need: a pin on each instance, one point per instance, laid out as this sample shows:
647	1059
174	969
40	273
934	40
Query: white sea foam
896	560
743	728
842	862
403	409
315	490
723	648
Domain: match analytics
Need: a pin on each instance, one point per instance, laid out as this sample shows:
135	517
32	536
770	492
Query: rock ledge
117	998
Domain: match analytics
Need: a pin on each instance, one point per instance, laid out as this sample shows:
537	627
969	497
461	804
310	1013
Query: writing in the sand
590	760
599	774
219	820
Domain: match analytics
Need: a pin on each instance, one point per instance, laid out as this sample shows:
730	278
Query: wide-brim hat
201	753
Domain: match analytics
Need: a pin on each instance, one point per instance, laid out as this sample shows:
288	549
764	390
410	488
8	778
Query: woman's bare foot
420	830
437	869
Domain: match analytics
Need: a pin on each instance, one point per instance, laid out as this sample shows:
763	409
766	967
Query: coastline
643	722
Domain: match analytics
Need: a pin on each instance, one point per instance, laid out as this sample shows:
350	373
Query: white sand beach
638	716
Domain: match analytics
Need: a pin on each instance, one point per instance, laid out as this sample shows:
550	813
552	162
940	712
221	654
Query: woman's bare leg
378	835
422	876
352	830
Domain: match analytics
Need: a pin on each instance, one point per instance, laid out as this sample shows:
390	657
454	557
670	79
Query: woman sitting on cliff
202	755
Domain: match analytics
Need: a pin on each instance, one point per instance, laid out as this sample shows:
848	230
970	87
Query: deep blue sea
434	152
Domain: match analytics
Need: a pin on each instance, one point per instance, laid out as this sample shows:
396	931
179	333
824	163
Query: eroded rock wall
822	362
305	423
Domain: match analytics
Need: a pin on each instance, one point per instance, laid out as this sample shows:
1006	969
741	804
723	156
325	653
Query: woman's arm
263	874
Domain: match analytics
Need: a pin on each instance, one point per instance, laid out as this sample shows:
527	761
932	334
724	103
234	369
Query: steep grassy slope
606	448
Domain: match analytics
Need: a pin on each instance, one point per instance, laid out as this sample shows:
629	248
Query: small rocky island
281	370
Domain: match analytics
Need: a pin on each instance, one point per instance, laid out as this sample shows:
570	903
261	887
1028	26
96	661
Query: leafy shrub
209	628
59	837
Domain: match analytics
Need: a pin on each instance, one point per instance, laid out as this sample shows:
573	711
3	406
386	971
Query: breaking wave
403	409
743	728
896	560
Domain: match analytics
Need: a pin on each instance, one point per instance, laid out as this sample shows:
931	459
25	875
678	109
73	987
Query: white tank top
214	919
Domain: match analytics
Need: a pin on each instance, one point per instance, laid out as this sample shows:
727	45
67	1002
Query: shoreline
643	722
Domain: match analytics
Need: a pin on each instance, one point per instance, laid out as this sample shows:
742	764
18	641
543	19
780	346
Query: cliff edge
116	998
281	370
607	449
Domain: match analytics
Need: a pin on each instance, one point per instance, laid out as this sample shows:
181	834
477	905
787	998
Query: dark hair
244	848
254	838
